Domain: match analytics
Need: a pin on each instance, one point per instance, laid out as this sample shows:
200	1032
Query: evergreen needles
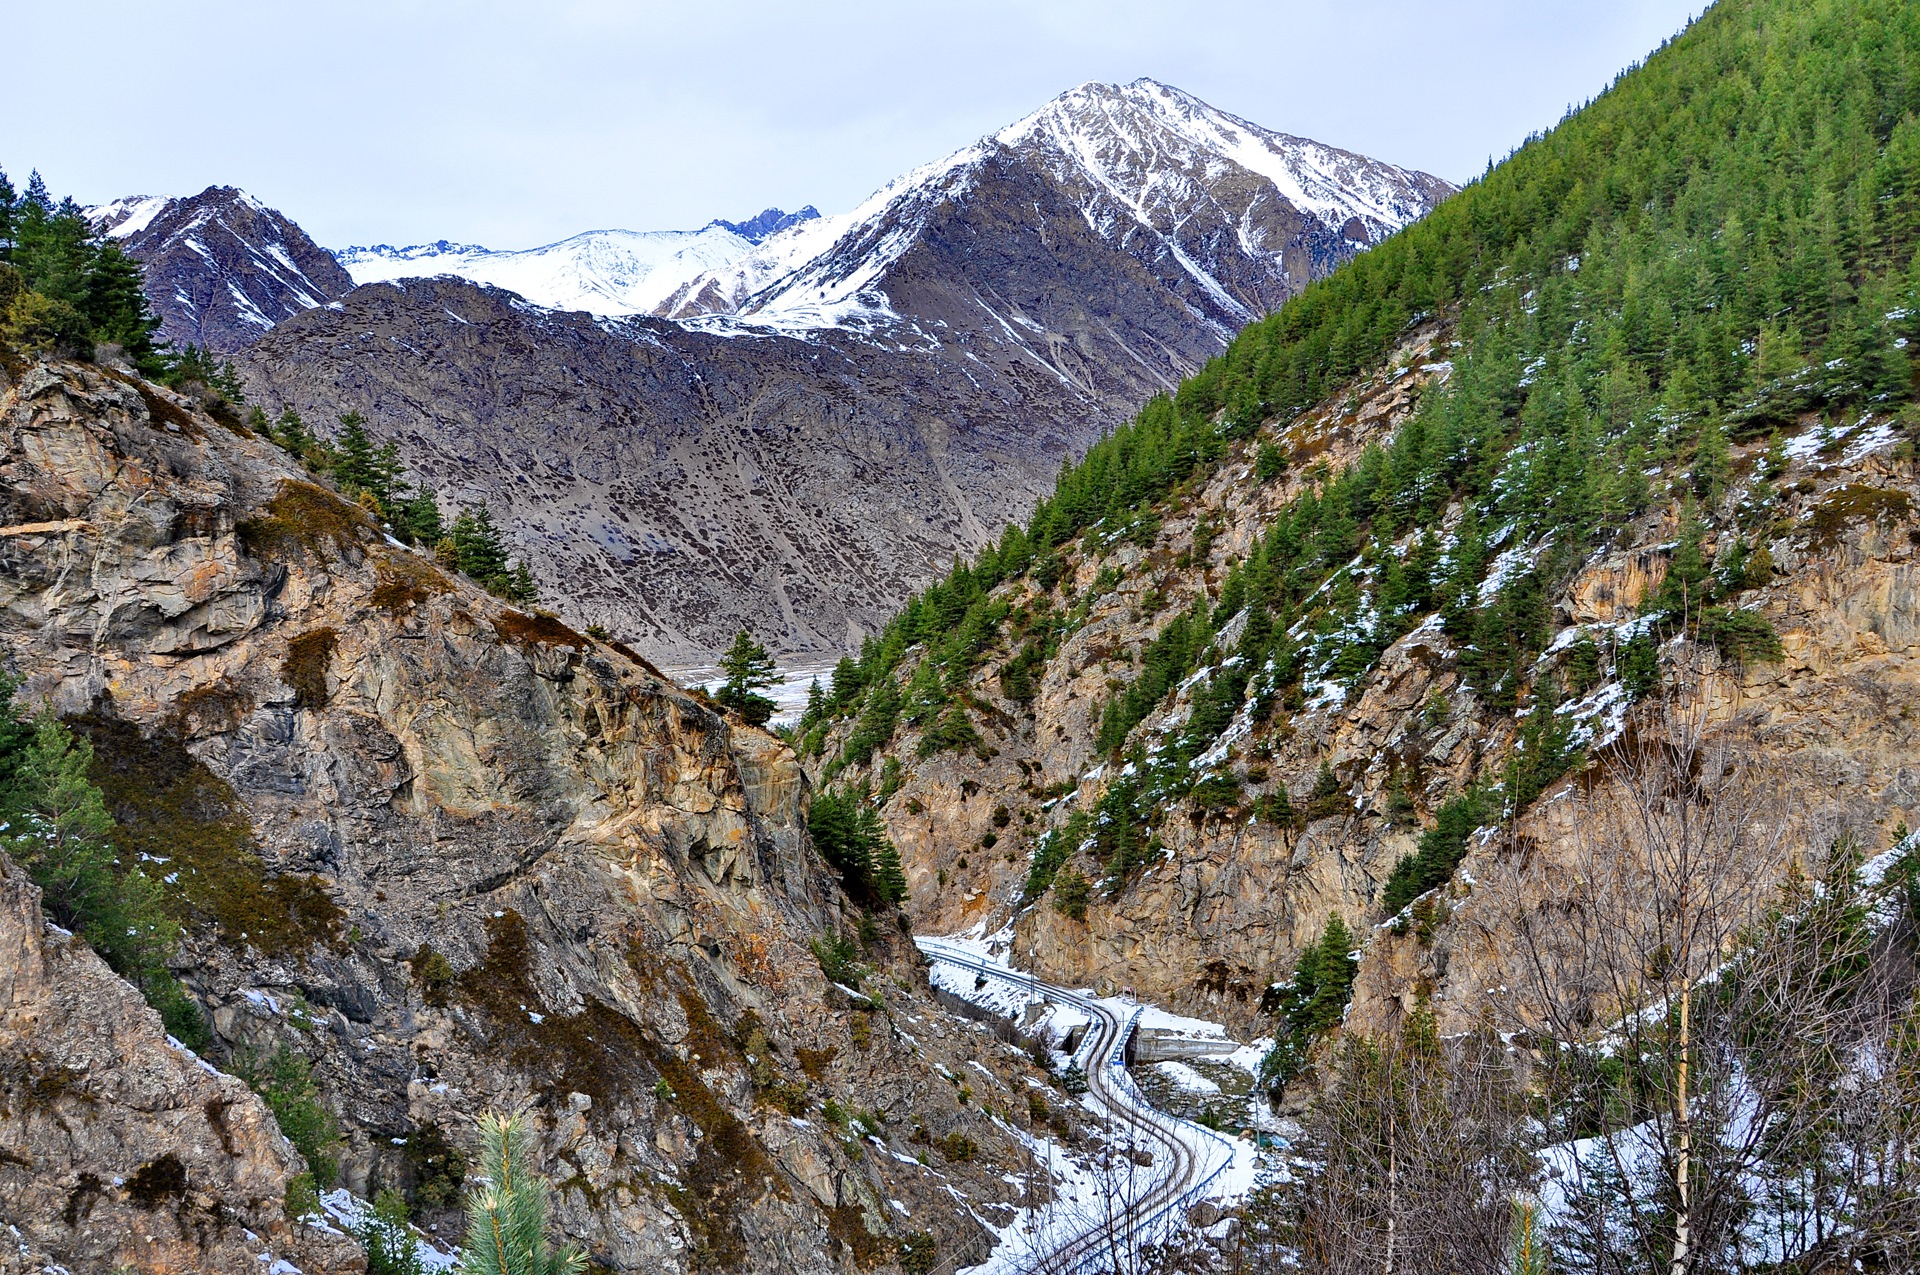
507	1213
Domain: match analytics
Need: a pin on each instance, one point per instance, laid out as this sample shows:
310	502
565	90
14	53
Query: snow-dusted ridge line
1145	151
605	272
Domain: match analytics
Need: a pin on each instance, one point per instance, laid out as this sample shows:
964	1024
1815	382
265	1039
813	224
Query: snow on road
1189	1163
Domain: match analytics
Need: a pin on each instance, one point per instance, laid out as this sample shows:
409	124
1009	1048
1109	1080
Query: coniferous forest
1719	243
1714	252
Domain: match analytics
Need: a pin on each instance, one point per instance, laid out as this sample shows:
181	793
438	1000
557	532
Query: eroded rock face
462	857
1210	927
119	1149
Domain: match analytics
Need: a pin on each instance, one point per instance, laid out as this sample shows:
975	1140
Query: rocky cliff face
221	267
459	857
1237	896
120	1150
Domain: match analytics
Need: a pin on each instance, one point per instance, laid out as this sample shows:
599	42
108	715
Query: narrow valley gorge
456	855
1363	726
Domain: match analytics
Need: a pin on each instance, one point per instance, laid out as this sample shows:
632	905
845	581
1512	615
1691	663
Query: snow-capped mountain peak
221	266
129	216
1135	157
1130	136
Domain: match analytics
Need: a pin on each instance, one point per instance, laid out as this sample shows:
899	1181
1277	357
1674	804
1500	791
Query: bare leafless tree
1712	1007
1413	1154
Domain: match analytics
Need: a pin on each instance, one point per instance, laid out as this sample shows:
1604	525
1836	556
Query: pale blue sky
517	124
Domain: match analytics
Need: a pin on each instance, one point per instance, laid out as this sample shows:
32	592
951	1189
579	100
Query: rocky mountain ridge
1231	217
842	409
457	857
221	267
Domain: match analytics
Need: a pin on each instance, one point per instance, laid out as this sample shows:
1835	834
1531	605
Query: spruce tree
507	1213
477	548
750	670
419	519
387	485
520	588
383	1231
889	879
1312	1004
54	823
292	433
356	466
9	207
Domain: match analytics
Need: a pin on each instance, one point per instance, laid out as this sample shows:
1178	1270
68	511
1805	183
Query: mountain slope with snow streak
221	266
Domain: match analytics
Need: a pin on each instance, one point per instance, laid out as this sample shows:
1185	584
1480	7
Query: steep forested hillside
1501	635
1718	246
1713	248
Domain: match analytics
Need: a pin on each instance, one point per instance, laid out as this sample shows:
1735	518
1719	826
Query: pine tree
750	670
387	485
291	433
356	466
9	211
57	828
383	1231
419	519
477	548
1074	1078
1312	1004
115	303
63	825
889	880
520	588
507	1214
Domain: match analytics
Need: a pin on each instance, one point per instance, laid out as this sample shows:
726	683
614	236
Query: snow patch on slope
124	218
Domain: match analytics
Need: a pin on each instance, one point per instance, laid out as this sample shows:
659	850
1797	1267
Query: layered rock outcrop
461	857
119	1149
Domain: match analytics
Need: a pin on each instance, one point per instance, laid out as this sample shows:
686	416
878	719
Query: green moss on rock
305	518
198	839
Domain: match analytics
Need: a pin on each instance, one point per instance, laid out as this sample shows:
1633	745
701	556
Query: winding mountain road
1186	1158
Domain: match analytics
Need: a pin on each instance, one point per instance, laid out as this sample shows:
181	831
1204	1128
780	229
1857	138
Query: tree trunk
1682	1171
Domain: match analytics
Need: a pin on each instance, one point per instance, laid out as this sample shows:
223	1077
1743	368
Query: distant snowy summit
1141	161
1228	217
613	272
